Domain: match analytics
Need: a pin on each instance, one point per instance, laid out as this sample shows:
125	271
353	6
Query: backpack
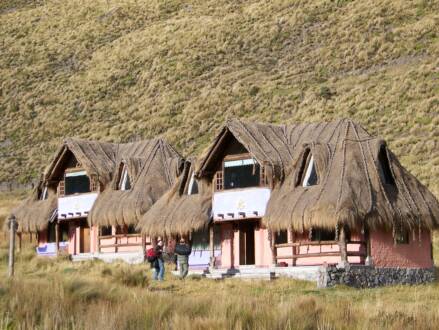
151	255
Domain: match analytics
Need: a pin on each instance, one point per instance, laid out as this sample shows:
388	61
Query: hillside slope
118	69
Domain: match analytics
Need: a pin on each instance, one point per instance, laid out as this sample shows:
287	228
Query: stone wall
369	276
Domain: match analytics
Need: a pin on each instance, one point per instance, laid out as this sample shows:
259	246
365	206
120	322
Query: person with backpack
183	250
154	256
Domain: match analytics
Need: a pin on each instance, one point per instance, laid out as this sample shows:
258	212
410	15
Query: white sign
75	206
240	203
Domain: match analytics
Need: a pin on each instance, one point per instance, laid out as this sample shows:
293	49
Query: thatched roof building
152	167
185	208
35	212
359	181
97	158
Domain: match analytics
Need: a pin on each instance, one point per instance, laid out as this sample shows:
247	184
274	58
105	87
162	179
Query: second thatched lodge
324	201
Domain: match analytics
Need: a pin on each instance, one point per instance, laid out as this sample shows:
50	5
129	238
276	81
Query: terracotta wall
416	254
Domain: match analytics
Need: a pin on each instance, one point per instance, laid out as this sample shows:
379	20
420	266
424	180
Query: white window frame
44	194
124	179
308	172
191	184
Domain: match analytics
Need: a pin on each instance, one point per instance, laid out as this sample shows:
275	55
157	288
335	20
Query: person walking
157	262
183	250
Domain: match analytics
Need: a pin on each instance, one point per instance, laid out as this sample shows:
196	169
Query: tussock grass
117	69
51	293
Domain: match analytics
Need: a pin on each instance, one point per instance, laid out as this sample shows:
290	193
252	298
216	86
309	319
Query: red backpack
151	255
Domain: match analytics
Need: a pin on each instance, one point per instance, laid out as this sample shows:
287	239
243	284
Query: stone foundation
369	276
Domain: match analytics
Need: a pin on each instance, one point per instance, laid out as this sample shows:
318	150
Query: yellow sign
240	205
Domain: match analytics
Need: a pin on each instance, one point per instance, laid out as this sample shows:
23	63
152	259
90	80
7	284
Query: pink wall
416	254
262	248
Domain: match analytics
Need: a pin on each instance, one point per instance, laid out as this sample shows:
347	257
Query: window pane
310	178
323	235
385	171
281	237
241	176
106	231
77	184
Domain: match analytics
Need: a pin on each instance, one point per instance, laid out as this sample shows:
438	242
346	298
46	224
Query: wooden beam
342	244
57	237
11	260
211	246
273	248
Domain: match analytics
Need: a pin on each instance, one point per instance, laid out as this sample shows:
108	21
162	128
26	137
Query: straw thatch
33	214
97	158
153	167
350	189
177	212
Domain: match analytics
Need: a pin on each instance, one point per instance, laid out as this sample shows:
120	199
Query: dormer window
125	181
193	186
310	178
44	194
242	173
384	167
76	182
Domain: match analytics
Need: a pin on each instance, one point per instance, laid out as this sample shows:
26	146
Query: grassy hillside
57	294
118	69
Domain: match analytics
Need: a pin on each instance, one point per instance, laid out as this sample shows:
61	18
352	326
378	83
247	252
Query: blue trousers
159	270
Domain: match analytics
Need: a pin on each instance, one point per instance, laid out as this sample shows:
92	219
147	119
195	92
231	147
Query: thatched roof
97	158
177	212
34	214
271	145
153	167
350	189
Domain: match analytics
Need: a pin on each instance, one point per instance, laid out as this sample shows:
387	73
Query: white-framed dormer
310	178
193	186
125	180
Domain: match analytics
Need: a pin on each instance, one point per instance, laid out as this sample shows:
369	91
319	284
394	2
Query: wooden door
84	240
247	243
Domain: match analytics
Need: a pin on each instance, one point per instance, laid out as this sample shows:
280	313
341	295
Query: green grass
116	69
49	293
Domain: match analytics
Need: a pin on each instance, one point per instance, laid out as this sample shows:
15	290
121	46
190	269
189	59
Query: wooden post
343	245
273	247
143	244
211	246
12	229
292	239
57	237
19	242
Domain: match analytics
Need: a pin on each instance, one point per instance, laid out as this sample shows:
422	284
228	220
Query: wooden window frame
219	175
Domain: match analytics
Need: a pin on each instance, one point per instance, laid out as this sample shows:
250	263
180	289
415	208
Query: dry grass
113	69
49	293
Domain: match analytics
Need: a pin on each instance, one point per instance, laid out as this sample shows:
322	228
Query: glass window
76	183
385	171
193	186
402	236
132	229
125	181
241	174
106	231
310	178
322	235
281	237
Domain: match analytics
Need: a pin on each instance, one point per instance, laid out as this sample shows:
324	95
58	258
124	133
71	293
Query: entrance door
247	243
84	240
